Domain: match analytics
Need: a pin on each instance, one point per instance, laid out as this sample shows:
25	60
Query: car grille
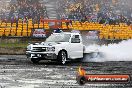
39	49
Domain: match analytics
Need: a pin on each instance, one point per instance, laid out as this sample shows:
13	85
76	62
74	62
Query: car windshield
58	38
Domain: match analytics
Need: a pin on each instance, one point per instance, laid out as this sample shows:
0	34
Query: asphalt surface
19	72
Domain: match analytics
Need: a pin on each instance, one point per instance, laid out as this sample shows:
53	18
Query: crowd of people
102	11
24	9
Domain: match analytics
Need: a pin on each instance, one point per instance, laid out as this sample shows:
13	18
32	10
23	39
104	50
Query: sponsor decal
83	77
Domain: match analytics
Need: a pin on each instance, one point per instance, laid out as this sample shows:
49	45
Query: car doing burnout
58	47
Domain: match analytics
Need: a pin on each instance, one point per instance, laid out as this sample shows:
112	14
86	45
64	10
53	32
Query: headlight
50	49
29	47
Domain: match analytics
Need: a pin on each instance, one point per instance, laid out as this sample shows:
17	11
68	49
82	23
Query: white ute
58	47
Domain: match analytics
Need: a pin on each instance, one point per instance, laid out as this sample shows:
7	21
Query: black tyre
35	60
81	80
62	57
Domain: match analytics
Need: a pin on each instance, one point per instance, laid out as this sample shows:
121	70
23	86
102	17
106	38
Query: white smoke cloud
113	52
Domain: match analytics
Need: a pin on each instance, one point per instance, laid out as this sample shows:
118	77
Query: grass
13	45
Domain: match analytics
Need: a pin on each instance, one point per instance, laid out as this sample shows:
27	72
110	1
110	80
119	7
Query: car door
76	47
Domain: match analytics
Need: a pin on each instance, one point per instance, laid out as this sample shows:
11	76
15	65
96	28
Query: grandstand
121	31
12	10
103	11
20	29
112	22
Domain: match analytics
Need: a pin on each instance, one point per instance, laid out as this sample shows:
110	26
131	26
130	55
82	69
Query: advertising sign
39	33
83	78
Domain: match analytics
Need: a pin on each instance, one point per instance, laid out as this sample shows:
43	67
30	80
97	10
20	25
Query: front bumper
42	55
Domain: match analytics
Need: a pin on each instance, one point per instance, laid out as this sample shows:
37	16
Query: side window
75	39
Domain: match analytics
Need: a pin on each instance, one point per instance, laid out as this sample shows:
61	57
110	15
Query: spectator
25	9
102	11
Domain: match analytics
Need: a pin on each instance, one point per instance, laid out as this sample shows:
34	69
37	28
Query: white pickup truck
59	47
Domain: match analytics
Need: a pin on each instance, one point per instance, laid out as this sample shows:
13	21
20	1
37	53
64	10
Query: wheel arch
65	51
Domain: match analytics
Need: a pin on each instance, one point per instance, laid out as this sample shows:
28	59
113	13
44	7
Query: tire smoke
111	52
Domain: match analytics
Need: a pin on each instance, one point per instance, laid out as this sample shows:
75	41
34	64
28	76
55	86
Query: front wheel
35	60
62	57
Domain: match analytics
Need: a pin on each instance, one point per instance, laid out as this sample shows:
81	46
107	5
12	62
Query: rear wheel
35	60
62	57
